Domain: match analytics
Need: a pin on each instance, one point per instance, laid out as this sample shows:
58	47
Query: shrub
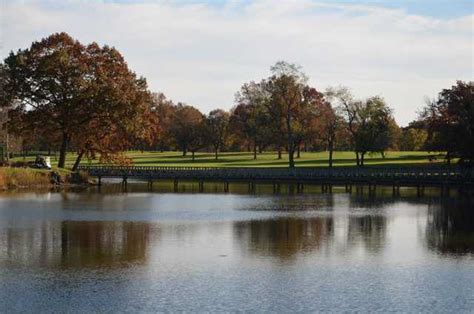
80	177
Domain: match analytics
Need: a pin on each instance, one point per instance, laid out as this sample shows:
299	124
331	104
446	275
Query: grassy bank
267	159
12	178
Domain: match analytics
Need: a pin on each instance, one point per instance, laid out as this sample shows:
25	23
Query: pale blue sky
200	52
434	8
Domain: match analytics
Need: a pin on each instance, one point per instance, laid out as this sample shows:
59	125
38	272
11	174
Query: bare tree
347	107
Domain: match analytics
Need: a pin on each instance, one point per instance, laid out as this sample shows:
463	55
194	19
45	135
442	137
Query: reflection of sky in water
228	251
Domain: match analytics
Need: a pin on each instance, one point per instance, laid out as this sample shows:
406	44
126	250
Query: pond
135	250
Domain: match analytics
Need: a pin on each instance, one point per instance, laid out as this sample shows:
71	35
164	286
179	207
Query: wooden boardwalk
391	176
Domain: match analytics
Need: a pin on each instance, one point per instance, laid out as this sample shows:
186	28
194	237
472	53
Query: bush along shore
17	178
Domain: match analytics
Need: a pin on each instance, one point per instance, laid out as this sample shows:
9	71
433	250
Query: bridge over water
420	176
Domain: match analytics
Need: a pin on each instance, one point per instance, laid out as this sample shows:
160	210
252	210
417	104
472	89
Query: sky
201	52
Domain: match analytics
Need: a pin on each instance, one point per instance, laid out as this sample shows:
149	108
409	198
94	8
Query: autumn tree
328	126
369	122
248	119
313	118
164	110
439	134
373	131
413	139
395	135
187	128
291	100
217	127
84	94
6	100
14	121
198	139
6	104
122	115
450	122
49	79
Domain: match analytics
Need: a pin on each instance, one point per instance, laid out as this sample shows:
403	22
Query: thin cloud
201	53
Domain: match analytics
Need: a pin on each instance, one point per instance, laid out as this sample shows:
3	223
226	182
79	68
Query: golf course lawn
266	159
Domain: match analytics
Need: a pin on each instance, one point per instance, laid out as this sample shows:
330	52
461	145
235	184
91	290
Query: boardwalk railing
403	175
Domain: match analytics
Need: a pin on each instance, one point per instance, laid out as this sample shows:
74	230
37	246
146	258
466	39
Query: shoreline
12	178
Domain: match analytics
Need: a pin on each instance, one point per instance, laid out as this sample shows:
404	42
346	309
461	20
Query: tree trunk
298	151
279	152
63	151
254	150
291	160
291	142
217	153
357	159
362	155
78	160
448	158
331	148
260	149
193	154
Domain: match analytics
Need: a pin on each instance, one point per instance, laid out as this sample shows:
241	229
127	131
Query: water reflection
450	226
215	252
368	231
285	227
76	244
284	237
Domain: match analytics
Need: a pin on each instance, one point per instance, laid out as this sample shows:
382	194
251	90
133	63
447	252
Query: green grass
266	159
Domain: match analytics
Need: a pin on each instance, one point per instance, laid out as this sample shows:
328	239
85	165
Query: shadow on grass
189	161
269	159
319	162
210	156
249	162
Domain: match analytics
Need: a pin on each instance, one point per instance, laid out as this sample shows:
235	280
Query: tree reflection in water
450	226
284	237
291	225
368	230
77	244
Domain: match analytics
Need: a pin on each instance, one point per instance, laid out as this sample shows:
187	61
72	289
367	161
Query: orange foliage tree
86	95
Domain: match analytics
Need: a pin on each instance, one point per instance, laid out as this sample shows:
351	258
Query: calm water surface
138	251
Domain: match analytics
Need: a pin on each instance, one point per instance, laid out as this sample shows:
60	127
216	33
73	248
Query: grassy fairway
266	159
269	159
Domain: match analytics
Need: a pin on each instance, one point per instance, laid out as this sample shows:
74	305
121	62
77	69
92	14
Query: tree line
69	96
